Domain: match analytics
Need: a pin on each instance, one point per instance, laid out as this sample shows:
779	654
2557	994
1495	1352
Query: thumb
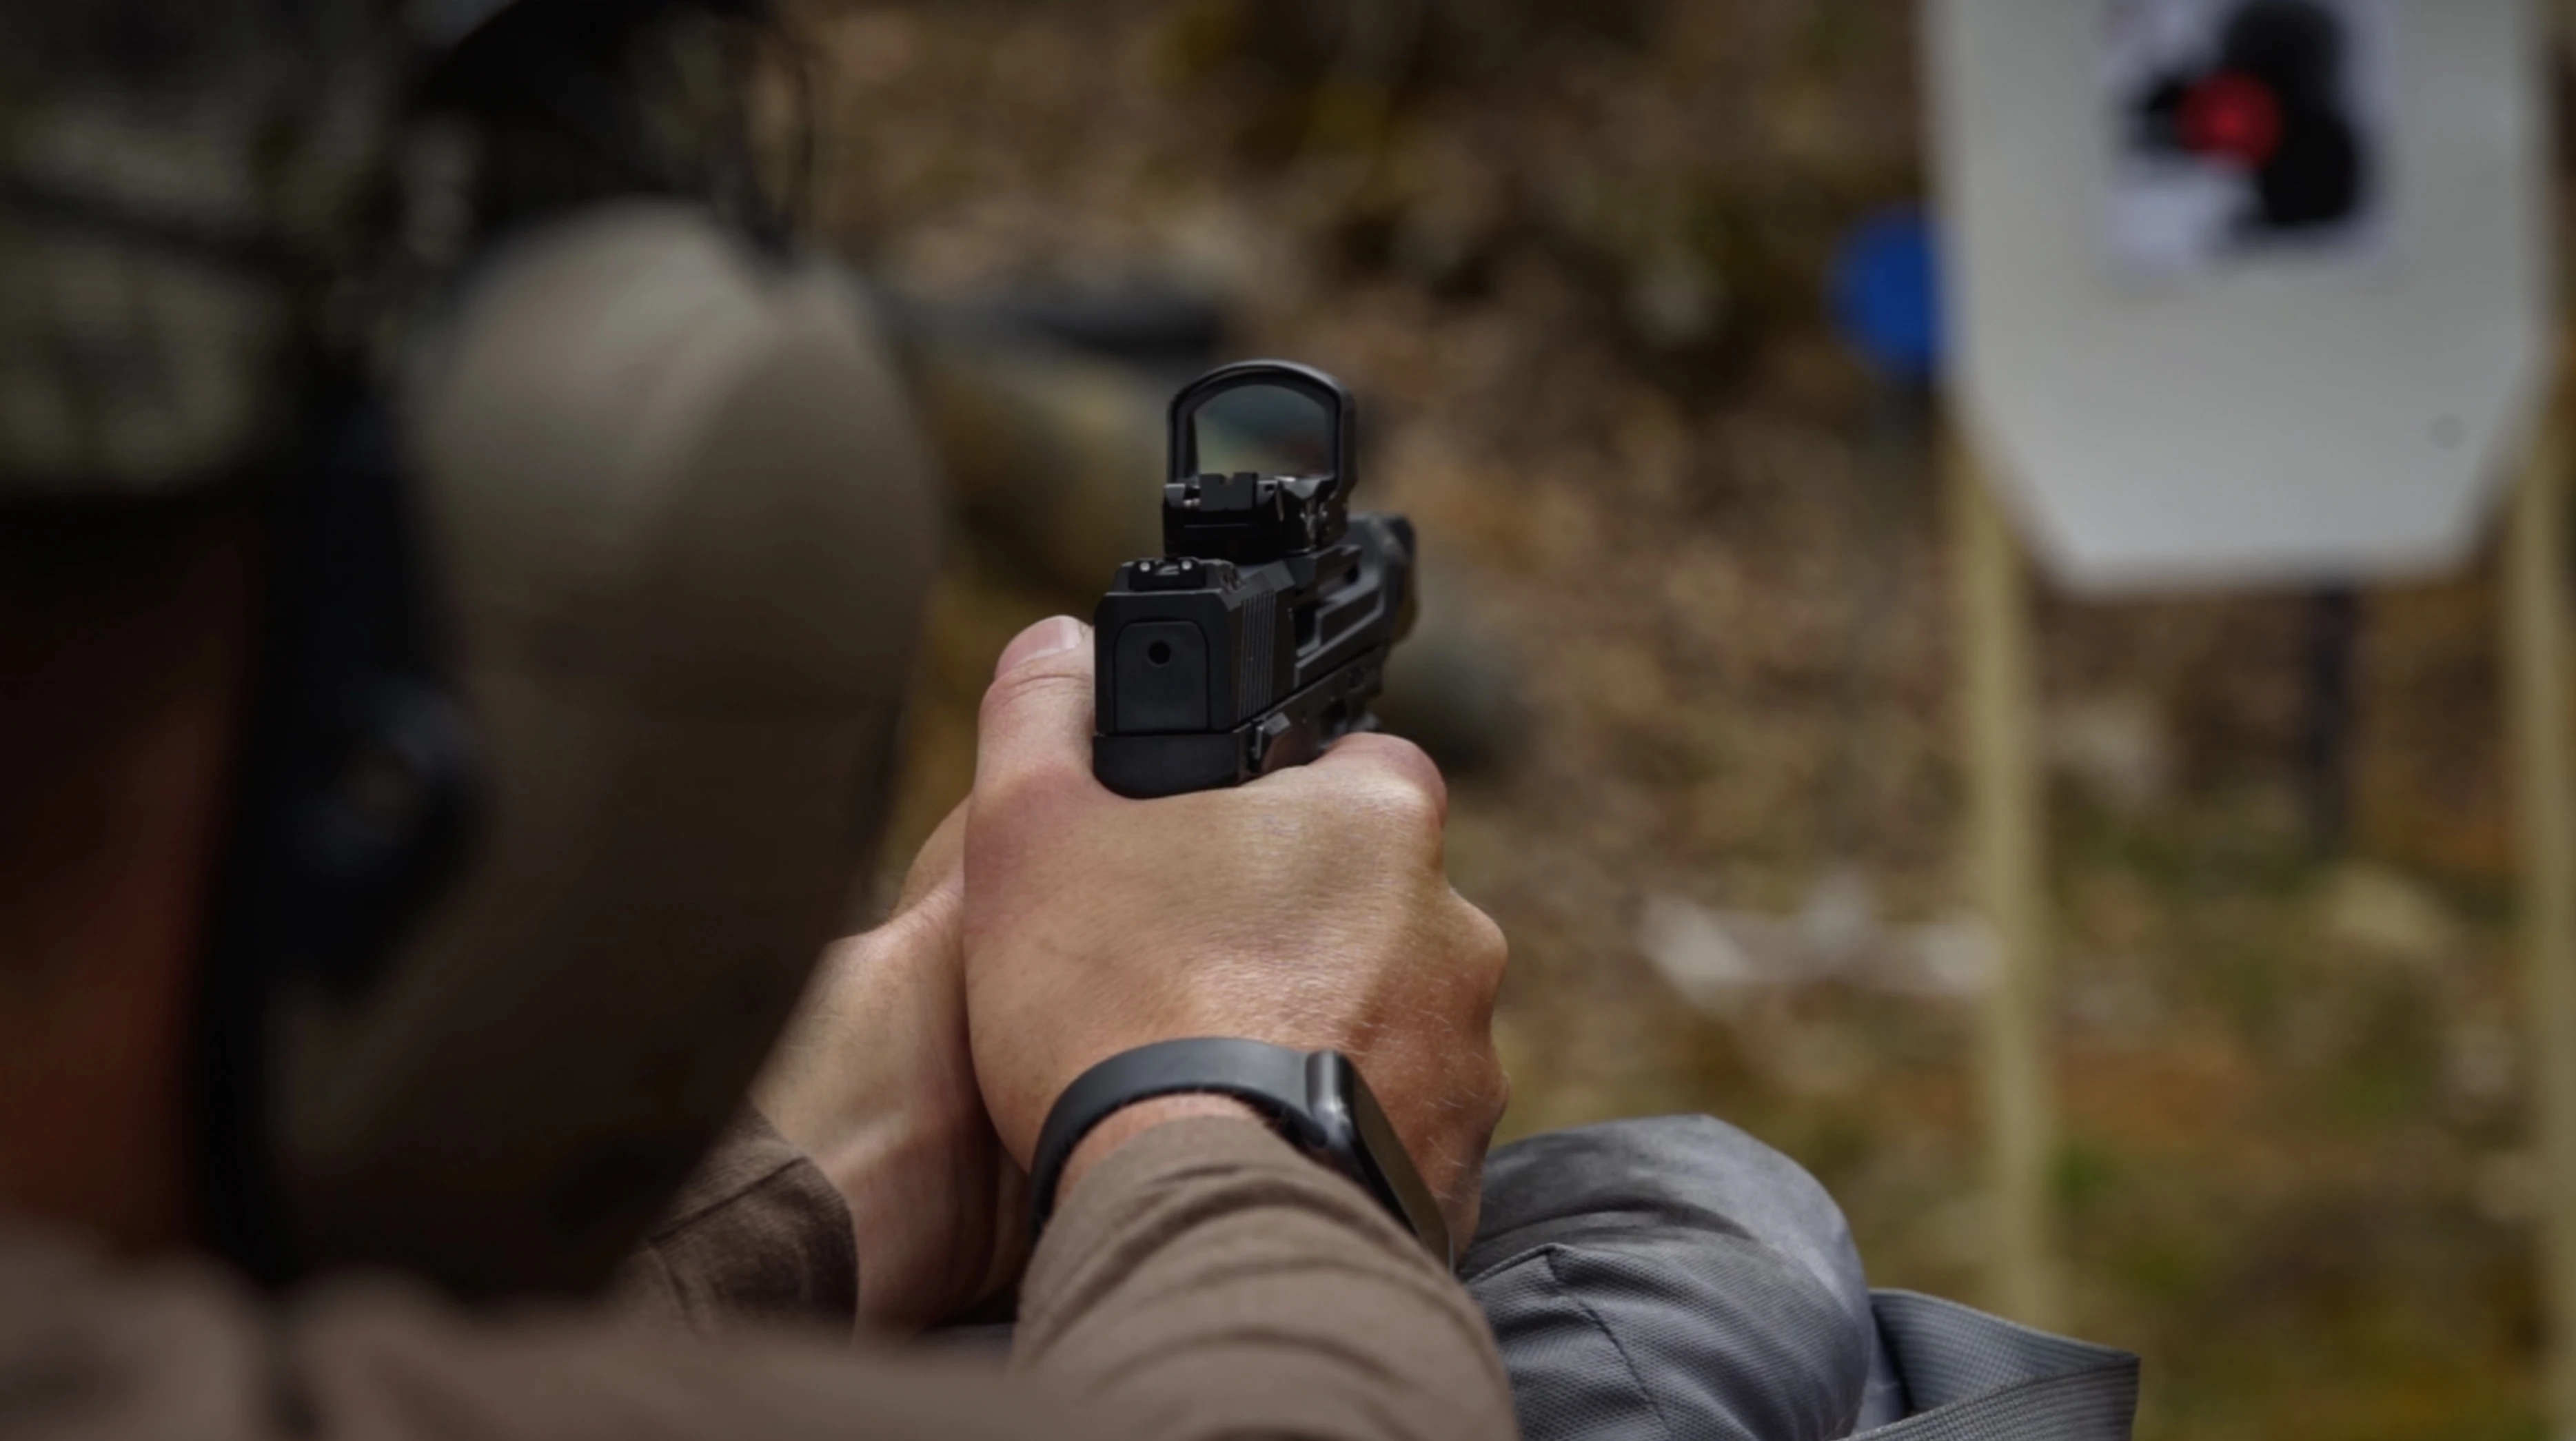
1037	714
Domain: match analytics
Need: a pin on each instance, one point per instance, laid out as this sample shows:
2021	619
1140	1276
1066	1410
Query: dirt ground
1570	257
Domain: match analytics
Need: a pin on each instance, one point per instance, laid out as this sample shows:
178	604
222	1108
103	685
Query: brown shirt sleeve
756	1237
1204	1281
1217	1282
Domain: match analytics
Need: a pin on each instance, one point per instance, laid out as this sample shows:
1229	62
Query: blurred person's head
458	565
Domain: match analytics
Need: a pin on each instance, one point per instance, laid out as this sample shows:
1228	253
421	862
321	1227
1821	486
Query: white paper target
2244	290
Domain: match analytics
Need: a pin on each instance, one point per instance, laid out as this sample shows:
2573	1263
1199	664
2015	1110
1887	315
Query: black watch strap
1314	1099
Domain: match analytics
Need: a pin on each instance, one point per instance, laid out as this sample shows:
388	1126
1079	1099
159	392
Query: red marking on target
2232	117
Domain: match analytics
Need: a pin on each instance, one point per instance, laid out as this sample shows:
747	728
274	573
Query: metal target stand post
2534	614
2005	792
1886	300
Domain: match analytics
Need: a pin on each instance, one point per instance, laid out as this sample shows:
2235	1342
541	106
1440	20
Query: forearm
1208	1277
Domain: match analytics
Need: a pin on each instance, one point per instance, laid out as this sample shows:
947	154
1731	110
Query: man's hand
873	1082
1308	908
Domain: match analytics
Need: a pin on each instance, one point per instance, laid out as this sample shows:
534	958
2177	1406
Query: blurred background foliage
1571	256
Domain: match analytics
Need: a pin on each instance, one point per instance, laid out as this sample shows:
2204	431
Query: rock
2117	748
2388	916
1716	959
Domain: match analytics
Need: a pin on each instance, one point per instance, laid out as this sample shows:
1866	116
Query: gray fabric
1974	1377
1674	1277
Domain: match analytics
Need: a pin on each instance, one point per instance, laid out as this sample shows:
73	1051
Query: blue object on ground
1885	293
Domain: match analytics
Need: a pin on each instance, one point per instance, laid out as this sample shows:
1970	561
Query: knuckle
1393	758
1397	751
1412	807
1020	791
1482	937
1417	767
1037	683
1394	797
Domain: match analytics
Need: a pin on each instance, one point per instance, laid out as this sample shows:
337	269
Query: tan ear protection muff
683	532
587	627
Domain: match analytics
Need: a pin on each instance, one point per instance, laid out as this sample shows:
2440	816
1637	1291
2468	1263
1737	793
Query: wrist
872	1084
1128	1122
1316	1101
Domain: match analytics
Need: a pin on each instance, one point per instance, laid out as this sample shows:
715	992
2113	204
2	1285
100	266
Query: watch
1314	1099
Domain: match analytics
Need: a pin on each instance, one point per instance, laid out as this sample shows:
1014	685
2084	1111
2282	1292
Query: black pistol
1261	634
